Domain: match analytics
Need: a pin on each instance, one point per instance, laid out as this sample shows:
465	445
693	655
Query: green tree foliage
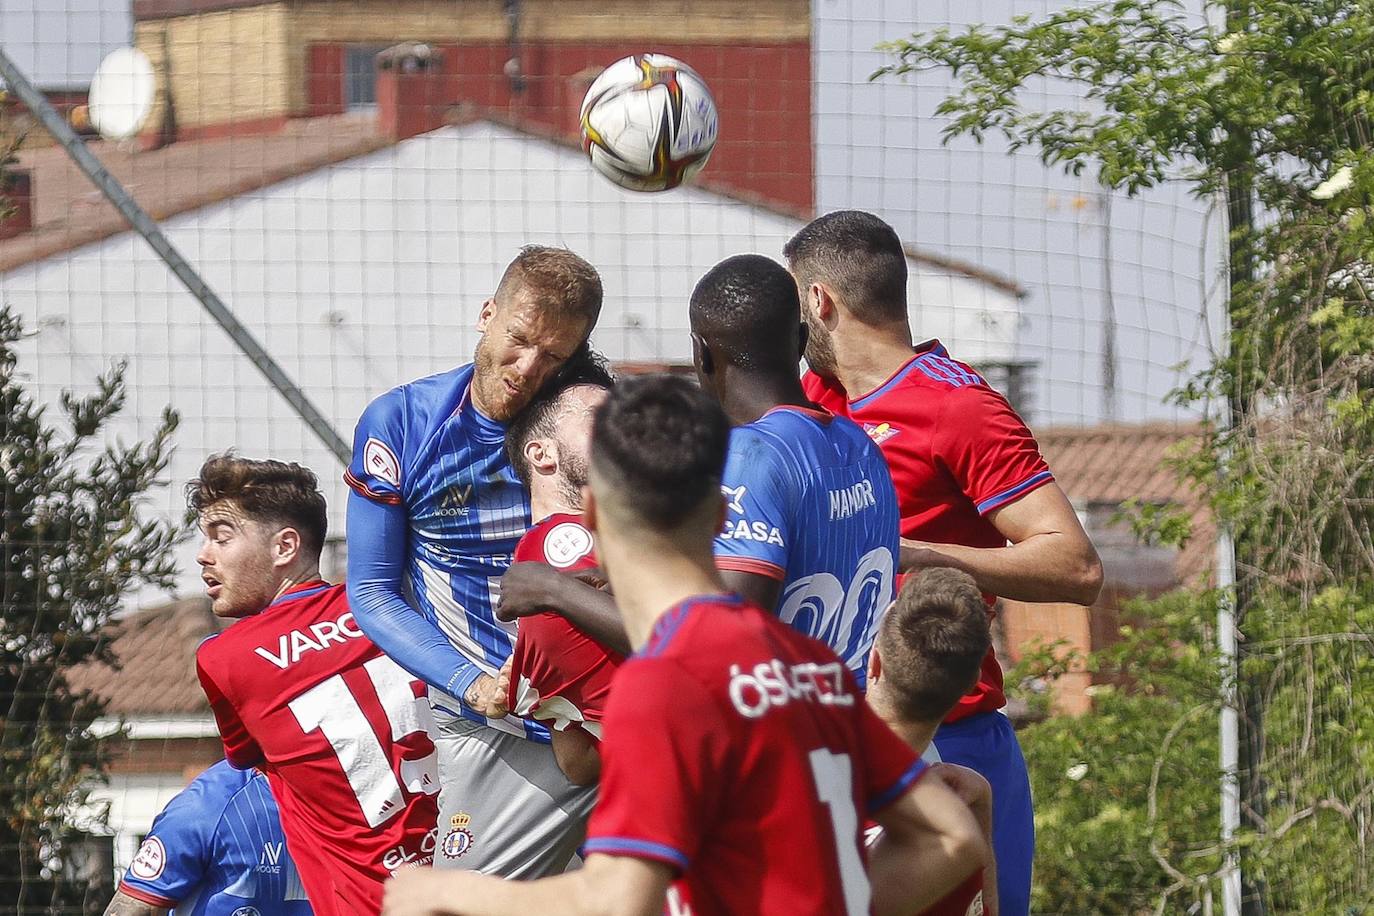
1264	106
73	542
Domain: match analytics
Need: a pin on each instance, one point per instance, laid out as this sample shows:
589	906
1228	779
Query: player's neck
867	357
548	498
753	395
916	735
649	578
300	575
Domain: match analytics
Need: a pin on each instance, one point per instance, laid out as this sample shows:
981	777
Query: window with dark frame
360	76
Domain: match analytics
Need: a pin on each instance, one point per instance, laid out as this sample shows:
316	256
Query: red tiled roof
156	650
69	211
1114	463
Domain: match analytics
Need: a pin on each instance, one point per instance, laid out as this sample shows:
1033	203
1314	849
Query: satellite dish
122	92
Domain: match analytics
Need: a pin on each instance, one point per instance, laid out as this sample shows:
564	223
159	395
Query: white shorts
505	808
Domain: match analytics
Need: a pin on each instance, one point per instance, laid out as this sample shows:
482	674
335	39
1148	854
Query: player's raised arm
378	533
996	462
376	565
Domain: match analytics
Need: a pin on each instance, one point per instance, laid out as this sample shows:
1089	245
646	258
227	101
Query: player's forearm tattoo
124	905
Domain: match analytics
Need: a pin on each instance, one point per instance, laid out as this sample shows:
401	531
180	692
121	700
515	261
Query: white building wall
367	274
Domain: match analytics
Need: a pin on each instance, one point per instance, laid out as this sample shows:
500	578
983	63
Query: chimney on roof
16	199
412	92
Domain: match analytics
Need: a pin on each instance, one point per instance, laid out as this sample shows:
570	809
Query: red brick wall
324	80
763	93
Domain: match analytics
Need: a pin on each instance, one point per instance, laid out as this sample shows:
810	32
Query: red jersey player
558	674
343	733
927	655
739	758
973	490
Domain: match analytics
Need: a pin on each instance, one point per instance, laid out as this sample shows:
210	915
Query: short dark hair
860	256
661	441
273	492
747	310
932	643
560	281
540	416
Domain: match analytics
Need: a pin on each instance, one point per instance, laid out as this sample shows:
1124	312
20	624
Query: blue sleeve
758	489
377	542
178	852
377	534
375	471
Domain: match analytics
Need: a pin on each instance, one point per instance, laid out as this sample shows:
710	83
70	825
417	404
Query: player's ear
875	665
824	302
484	316
588	509
541	456
286	547
701	355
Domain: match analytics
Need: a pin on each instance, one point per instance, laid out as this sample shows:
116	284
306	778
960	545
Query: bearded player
974	491
434	516
738	753
342	732
811	530
559	675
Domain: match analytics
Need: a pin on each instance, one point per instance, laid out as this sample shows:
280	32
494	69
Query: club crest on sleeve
150	860
567	543
736	501
246	911
381	462
459	838
880	432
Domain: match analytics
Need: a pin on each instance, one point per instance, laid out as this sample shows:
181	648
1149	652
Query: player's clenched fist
419	892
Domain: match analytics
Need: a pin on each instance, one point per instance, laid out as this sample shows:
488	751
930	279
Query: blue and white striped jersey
424	446
218	849
810	502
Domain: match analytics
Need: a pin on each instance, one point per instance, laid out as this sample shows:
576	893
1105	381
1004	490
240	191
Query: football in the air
649	122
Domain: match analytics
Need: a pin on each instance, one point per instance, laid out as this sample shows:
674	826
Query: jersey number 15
331	707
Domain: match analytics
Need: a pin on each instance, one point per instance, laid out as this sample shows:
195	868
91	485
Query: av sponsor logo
454	500
269	863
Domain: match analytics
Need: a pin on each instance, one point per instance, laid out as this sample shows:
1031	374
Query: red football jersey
957	451
742	754
559	675
344	735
